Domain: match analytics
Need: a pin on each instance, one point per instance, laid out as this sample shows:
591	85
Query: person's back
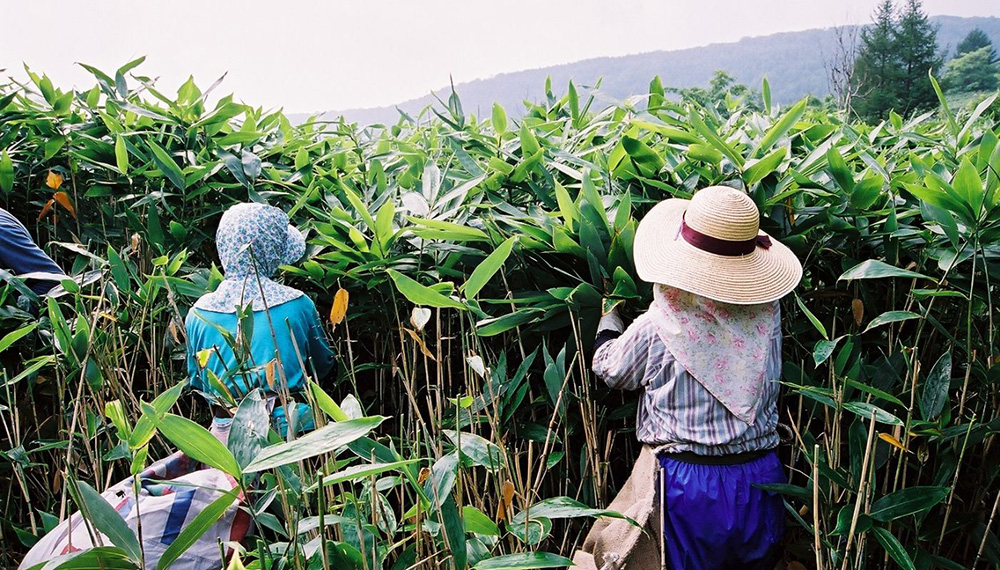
707	357
287	343
279	358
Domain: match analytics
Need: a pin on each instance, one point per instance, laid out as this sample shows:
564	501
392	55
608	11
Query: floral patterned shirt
674	407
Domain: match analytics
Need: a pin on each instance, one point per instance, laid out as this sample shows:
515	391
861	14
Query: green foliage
976	70
465	428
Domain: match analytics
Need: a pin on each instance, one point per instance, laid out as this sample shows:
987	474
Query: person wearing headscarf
706	357
281	342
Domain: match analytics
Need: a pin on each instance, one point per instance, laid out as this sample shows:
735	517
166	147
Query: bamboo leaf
121	155
167	165
891	317
13	336
905	502
198	443
488	268
323	440
874	269
761	168
780	128
421	295
6	172
524	561
935	389
107	520
812	318
894	548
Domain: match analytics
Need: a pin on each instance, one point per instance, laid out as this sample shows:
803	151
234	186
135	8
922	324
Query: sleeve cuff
605	336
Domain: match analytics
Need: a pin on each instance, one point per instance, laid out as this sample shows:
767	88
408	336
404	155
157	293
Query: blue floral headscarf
253	240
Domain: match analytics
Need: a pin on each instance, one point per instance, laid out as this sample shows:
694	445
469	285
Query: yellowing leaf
891	440
202	356
236	563
54	180
63	199
339	308
269	373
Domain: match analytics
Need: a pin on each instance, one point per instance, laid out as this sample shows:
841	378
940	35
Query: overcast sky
314	56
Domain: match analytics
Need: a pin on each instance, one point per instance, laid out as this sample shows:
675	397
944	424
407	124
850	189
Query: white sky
316	56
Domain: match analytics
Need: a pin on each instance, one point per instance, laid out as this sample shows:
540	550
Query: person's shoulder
193	316
299	304
197	316
645	320
7	220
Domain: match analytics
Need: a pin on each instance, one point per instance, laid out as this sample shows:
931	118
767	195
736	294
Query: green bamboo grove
475	255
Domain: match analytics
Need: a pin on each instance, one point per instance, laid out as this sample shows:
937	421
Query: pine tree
976	39
916	46
877	70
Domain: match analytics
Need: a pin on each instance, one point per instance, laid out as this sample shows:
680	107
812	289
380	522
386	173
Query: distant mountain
793	63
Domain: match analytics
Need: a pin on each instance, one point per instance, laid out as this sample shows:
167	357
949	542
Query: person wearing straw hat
707	357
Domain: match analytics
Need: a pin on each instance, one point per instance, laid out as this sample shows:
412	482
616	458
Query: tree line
896	55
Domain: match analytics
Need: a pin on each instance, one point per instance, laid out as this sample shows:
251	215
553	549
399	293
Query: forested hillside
793	62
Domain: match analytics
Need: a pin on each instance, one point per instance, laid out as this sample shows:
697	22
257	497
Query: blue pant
715	518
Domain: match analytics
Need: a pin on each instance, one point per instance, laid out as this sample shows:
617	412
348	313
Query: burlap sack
613	543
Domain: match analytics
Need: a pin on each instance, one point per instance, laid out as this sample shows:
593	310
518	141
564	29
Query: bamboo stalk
817	544
862	487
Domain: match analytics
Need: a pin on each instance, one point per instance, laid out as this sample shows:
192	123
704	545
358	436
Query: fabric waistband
730	459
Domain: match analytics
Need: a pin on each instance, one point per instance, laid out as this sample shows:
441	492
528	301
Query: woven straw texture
662	255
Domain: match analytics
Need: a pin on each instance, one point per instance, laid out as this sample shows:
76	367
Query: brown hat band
718	246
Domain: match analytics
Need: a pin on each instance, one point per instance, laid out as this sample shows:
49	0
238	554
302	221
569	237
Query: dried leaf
46	209
63	199
54	180
419	317
425	472
339	308
420	343
135	241
507	496
889	438
858	308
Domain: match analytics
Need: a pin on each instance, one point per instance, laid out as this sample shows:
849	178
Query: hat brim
663	256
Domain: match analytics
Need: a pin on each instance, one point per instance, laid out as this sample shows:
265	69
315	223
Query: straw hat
711	245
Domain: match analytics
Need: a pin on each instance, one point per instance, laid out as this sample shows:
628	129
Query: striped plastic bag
172	492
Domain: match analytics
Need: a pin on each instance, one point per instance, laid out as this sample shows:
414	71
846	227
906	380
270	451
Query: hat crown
723	213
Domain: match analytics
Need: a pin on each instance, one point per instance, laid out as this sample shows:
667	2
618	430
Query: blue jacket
20	255
298	339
